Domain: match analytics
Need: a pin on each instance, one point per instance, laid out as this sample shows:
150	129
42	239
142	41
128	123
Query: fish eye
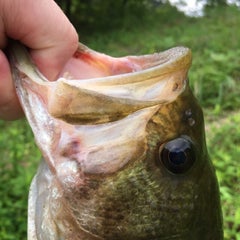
177	155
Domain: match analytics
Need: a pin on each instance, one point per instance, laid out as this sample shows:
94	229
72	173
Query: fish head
124	149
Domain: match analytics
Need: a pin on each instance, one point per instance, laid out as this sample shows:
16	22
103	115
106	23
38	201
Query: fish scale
138	207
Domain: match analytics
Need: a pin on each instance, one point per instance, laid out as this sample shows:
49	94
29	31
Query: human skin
46	31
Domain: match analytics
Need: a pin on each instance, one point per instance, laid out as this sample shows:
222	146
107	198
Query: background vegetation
135	29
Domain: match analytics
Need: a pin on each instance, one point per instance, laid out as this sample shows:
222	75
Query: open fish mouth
97	101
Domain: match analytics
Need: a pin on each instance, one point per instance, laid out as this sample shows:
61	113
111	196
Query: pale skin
45	30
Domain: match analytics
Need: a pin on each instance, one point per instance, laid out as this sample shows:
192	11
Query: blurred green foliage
214	77
224	148
19	157
95	14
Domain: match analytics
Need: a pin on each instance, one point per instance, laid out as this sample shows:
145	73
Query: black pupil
177	155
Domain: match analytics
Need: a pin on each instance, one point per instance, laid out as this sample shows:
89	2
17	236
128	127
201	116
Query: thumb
43	27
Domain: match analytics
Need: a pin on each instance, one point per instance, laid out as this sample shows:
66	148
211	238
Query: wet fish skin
154	202
136	199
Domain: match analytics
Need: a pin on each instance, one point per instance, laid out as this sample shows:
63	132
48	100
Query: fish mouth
87	118
95	88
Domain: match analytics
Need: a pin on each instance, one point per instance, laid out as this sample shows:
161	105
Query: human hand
51	38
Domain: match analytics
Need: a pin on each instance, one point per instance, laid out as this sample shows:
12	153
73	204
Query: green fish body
124	149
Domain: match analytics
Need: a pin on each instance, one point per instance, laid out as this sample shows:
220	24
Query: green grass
214	77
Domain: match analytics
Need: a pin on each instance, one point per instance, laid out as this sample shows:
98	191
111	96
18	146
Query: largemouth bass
124	149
